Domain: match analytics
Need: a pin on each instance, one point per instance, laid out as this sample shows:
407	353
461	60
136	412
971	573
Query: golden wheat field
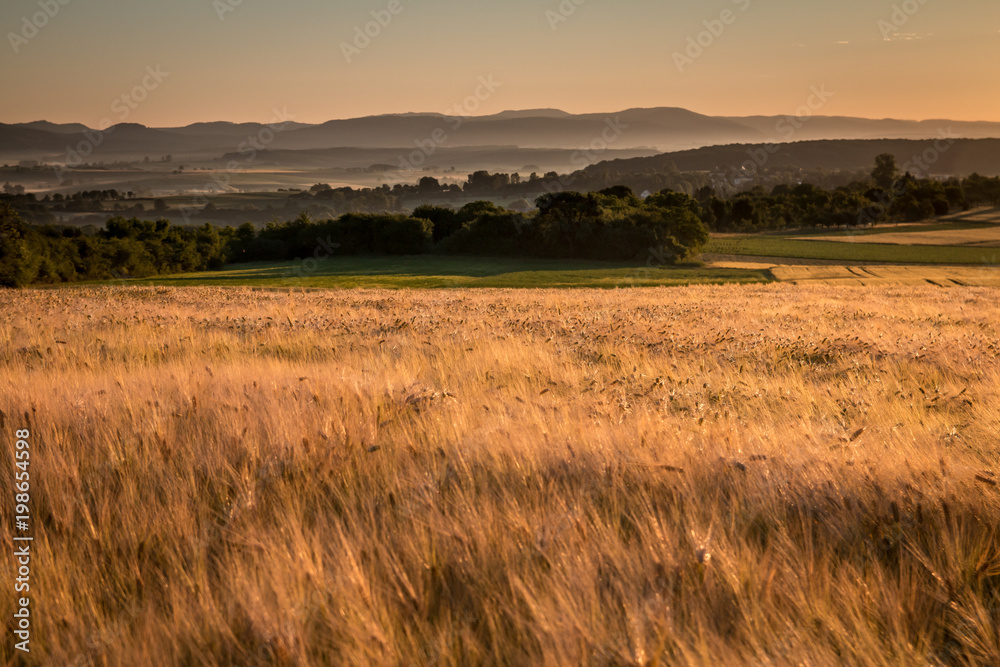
840	275
769	475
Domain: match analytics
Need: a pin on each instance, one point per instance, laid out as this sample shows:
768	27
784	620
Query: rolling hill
961	157
659	129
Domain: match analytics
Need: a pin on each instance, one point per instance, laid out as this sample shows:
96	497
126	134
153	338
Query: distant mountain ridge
665	129
57	128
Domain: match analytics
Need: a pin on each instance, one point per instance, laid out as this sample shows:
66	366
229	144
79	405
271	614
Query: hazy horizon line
507	111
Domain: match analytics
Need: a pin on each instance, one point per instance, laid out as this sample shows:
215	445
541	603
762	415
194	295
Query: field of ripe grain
712	475
942	276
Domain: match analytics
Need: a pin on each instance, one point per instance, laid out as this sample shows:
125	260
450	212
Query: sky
169	63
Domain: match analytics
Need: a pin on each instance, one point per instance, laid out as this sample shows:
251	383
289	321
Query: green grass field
435	271
889	229
860	253
438	271
977	218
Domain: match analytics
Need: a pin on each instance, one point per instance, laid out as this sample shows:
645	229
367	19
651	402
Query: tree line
886	197
613	224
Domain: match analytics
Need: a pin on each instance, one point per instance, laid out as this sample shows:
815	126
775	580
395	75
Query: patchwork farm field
955	250
941	276
983	218
983	236
971	237
988	237
738	474
851	250
445	271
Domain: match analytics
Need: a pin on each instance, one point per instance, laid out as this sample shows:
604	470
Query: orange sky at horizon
239	60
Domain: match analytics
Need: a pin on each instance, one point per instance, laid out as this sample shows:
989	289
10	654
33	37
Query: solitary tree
429	185
885	171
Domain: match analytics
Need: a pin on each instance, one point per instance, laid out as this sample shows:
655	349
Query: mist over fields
376	150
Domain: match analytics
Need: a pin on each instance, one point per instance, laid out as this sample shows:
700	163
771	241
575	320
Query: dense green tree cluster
28	208
363	200
613	224
886	198
350	234
784	207
125	248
